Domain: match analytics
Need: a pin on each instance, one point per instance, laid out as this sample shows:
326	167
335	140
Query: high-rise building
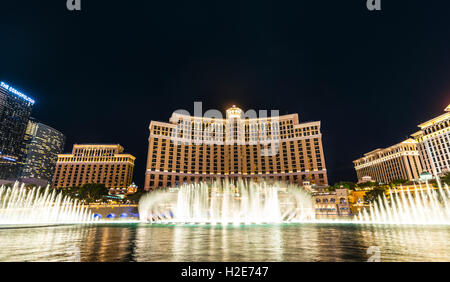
40	150
15	110
434	143
90	163
400	161
192	149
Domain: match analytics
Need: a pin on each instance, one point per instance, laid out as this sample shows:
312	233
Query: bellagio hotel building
193	149
96	164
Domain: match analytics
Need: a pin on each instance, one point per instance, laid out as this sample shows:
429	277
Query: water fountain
22	206
225	202
422	205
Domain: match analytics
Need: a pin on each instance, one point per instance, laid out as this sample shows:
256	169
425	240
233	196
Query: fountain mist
228	202
423	205
19	205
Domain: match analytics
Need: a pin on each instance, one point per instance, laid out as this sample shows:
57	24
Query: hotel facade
400	161
332	204
429	151
192	149
433	140
100	164
15	110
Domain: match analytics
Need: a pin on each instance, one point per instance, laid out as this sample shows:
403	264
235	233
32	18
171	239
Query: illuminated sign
16	92
9	159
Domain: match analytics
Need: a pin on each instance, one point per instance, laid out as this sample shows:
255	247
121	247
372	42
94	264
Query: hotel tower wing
429	151
400	161
434	143
192	149
94	163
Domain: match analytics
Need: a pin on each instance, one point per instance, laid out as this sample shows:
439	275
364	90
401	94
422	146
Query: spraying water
421	205
225	202
20	205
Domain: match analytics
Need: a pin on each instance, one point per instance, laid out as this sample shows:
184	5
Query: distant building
332	204
40	150
130	190
133	188
104	164
400	161
273	148
15	110
366	179
434	143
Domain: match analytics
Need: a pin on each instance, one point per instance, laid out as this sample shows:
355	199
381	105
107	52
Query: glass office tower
40	150
15	110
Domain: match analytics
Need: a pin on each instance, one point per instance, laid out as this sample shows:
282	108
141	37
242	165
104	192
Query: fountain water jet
423	205
36	206
225	202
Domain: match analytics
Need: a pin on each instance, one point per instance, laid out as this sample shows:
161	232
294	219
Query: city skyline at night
225	140
365	92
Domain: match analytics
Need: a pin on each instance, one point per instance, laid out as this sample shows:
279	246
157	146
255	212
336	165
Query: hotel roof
407	141
436	119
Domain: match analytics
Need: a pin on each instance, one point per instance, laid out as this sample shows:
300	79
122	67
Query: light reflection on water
306	242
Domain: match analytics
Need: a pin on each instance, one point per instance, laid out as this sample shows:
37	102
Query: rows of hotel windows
331	200
438	148
95	152
392	169
291	156
431	153
112	175
172	180
253	132
259	148
437	127
69	158
386	153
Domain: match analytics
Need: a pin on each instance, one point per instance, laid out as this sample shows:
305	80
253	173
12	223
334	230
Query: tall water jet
226	202
20	205
421	205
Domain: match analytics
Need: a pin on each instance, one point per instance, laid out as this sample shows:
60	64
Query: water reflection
307	242
41	244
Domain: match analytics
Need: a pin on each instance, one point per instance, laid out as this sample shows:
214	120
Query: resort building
15	110
104	164
400	161
434	143
332	204
130	190
40	149
192	149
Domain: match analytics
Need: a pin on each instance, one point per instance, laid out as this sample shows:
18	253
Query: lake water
295	242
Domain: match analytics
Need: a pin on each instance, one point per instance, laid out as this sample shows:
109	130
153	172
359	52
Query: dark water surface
298	242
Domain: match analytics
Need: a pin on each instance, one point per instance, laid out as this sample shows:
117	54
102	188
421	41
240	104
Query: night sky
102	74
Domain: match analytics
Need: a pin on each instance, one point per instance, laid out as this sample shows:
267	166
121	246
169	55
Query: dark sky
100	75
